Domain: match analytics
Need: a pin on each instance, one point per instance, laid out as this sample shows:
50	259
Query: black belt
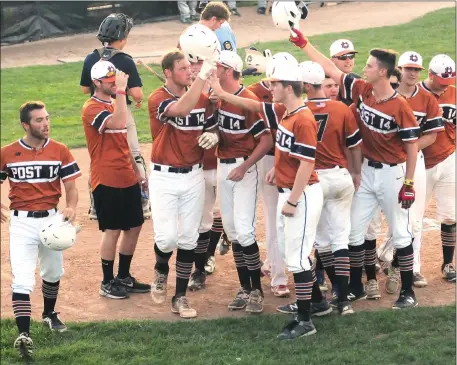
379	165
285	190
231	160
36	213
271	152
176	170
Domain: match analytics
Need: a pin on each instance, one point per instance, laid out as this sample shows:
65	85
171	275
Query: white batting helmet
280	57
58	235
287	14
312	73
256	59
198	43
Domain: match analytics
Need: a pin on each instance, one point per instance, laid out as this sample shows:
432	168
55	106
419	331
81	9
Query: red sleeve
96	116
69	169
273	114
351	88
408	128
304	146
351	130
434	122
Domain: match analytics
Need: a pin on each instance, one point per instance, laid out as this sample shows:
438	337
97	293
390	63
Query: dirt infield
79	299
154	38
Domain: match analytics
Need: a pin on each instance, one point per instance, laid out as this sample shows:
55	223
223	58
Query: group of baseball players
326	167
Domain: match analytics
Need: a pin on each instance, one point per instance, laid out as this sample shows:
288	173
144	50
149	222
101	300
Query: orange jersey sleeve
351	87
260	89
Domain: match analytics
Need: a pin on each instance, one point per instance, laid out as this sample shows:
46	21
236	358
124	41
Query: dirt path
79	299
250	28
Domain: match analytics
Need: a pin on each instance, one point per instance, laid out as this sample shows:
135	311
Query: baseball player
331	88
440	156
297	258
35	166
244	141
213	16
390	133
115	179
181	127
428	115
337	130
113	34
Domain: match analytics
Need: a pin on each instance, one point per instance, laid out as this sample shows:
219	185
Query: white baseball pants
238	202
177	207
335	220
380	187
211	206
269	203
441	183
296	235
385	250
25	248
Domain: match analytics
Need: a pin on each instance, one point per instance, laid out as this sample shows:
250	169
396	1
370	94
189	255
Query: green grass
58	86
420	336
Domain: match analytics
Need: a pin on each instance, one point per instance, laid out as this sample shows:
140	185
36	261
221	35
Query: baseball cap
341	47
443	66
231	60
410	59
284	71
103	70
312	73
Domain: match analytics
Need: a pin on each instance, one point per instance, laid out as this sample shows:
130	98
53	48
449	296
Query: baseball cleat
210	266
240	301
92	214
255	302
385	267
24	345
372	290
393	280
320	309
419	280
290	308
197	281
355	295
448	271
296	329
182	306
280	291
345	308
224	244
113	290
53	321
159	288
405	301
132	285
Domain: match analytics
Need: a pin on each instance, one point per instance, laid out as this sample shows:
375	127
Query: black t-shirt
347	101
121	61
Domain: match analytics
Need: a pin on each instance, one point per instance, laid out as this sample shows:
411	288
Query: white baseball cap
443	66
284	71
341	47
230	59
410	59
103	70
312	73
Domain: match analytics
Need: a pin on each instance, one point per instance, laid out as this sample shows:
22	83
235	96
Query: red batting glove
300	40
407	195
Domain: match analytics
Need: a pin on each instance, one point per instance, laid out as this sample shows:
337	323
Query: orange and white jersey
337	129
384	125
110	157
444	145
209	159
261	90
296	140
35	175
175	138
239	129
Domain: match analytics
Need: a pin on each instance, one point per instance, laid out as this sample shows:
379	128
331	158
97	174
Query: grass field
58	86
423	336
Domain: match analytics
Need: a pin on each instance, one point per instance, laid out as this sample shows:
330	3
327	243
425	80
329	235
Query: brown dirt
250	28
78	298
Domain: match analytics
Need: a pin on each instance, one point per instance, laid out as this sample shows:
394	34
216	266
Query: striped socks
370	259
342	271
22	310
406	261
184	263
448	242
200	251
50	292
303	292
252	258
215	235
241	266
356	259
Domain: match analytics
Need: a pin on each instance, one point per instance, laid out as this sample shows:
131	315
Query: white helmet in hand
281	57
287	14
58	235
257	60
199	43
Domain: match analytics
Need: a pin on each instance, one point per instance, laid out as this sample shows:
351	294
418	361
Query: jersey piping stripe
375	111
114	131
33	181
100	119
303	150
409	134
257	128
231	115
432	125
69	170
33	163
354	139
173	123
270	115
163	107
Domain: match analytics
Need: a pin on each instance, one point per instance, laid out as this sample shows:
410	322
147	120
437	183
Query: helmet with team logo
58	235
287	14
199	43
280	57
257	60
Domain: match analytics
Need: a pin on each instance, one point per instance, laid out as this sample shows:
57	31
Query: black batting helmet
114	27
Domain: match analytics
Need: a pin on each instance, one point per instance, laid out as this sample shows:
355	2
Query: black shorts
118	208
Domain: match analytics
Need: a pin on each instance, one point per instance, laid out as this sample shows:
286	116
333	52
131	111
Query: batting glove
407	195
208	140
300	40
